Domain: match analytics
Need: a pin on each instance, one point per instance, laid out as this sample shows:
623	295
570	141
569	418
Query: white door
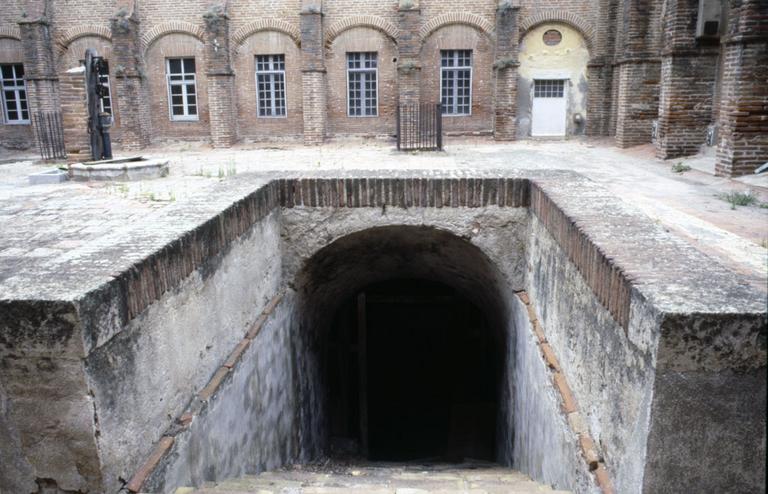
549	108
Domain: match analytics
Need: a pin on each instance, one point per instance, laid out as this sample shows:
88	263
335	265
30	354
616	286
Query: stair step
380	479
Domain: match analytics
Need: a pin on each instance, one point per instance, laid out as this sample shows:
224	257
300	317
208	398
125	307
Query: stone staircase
380	479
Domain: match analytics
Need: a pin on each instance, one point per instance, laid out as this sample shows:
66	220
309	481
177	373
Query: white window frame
366	70
186	117
272	72
16	88
456	68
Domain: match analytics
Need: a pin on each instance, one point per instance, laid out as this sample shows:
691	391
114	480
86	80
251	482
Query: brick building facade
679	72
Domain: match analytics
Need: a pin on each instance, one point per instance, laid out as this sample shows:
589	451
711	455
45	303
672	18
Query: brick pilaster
599	75
505	66
743	118
638	73
39	64
221	77
314	77
127	70
74	115
688	73
409	46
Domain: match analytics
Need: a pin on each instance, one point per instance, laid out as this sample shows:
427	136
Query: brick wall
638	102
71	56
13	136
250	125
743	118
170	46
461	37
687	86
627	39
74	114
361	39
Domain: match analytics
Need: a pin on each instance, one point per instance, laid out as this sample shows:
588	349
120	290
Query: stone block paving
334	478
57	240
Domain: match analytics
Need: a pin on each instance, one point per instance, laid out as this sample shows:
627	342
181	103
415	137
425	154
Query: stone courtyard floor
77	223
381	479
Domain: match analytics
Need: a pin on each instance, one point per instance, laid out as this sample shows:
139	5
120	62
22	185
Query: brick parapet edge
200	400
569	405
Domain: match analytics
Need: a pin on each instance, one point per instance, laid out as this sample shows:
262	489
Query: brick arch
11	32
170	27
557	16
478	22
247	30
353	21
77	32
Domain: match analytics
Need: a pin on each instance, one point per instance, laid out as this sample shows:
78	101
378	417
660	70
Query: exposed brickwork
251	126
468	37
608	282
129	83
363	39
13	136
638	102
314	80
685	103
507	37
688	73
221	79
74	114
629	85
39	65
177	45
639	71
409	64
743	119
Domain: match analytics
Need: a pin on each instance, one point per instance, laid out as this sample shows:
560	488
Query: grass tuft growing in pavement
680	168
737	198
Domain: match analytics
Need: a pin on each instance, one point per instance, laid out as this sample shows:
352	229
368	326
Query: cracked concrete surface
50	221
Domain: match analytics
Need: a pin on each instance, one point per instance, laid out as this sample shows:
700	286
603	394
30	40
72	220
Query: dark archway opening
437	383
412	374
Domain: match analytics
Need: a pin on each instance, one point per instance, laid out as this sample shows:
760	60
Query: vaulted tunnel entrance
406	333
410	375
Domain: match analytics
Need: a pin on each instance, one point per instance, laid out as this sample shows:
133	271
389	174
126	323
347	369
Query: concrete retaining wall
143	377
664	350
610	376
544	445
249	424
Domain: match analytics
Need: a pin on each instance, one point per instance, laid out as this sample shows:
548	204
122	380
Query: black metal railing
49	134
419	126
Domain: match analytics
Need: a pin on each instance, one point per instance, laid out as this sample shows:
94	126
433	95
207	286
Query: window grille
362	94
545	88
14	94
182	88
456	81
270	85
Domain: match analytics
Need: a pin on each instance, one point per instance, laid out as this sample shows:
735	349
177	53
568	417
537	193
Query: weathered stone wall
645	330
543	445
143	377
249	424
611	377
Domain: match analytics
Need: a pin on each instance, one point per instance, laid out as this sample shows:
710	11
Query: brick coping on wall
617	249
